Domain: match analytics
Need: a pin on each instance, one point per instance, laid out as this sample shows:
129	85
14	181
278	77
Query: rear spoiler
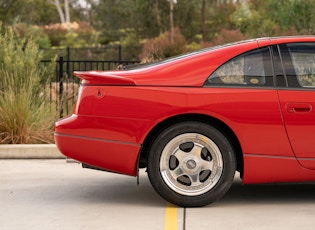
102	78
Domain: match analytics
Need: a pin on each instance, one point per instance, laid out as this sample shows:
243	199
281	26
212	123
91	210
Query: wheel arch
218	124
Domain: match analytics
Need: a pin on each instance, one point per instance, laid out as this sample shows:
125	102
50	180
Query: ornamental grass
25	111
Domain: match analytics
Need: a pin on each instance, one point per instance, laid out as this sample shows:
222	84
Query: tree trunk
67	11
203	19
172	20
63	15
59	9
157	15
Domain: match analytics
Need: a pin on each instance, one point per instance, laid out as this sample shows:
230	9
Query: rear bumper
110	155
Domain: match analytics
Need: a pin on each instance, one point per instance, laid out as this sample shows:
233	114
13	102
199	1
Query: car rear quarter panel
114	127
129	113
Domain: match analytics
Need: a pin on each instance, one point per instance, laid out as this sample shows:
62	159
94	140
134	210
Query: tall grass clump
25	113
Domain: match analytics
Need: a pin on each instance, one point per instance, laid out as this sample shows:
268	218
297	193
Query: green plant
25	112
74	34
227	36
36	33
163	46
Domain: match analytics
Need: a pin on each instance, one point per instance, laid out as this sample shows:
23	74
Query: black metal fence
63	86
105	52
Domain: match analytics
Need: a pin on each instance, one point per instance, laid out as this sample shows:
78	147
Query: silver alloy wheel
191	164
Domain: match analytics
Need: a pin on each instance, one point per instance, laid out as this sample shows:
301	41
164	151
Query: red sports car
195	119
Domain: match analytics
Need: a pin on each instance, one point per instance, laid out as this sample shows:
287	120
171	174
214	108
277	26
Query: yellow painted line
170	217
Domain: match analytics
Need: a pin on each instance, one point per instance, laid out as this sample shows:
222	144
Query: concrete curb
37	151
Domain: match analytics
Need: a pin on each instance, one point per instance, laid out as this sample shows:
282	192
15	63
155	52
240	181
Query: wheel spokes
195	181
178	172
191	164
180	155
206	165
196	151
200	161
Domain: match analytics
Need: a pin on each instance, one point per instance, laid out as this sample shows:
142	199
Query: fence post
68	63
60	80
68	53
119	53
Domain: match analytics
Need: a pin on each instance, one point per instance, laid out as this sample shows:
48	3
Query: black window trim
278	71
280	80
292	83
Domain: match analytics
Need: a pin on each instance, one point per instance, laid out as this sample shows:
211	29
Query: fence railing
63	87
106	52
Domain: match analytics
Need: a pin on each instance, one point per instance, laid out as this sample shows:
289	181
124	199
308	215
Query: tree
7	10
64	14
295	14
116	18
39	12
273	18
157	15
203	19
172	2
152	16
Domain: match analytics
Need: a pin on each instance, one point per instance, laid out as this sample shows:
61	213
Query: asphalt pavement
51	194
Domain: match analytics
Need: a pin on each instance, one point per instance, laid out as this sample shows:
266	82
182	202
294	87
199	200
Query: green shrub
25	112
33	32
226	36
75	35
163	46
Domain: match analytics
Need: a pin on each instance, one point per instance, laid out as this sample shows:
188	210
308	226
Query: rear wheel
191	164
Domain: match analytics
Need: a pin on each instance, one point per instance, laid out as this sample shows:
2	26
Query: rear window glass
249	69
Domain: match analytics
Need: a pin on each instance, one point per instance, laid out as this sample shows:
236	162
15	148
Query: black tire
191	164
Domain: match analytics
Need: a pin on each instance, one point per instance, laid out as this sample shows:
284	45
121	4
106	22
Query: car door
297	98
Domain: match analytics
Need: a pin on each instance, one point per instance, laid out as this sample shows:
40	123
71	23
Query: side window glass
303	61
249	69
